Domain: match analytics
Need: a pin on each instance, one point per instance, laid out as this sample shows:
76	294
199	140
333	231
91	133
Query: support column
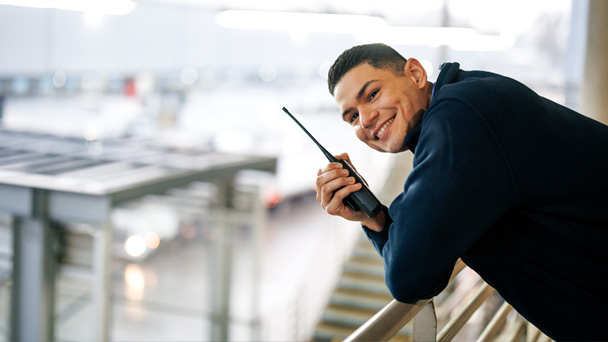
260	222
594	102
221	264
34	270
101	288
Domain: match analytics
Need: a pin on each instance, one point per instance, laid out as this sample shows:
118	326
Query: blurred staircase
359	294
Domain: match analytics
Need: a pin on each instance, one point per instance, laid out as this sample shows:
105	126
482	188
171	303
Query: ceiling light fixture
457	38
297	21
366	28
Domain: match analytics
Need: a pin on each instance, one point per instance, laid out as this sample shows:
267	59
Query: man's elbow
410	289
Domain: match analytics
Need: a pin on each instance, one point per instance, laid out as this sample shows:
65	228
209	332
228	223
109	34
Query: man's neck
429	93
417	118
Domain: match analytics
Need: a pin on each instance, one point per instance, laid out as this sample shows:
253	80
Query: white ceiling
395	11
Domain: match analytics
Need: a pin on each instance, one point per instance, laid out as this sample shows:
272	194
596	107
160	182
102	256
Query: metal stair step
360	299
347	316
361	281
368	252
363	275
329	332
360	293
360	265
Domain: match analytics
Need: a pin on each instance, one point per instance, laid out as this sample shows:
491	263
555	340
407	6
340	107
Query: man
512	183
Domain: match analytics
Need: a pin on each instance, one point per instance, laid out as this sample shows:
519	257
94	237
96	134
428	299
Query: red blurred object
129	89
271	198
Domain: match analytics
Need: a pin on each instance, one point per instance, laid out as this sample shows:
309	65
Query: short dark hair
378	55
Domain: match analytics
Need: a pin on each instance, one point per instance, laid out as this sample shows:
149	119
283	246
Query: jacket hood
448	74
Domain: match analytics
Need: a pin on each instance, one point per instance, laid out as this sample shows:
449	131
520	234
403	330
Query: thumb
344	156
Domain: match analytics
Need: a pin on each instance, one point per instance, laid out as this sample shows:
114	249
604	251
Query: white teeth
381	131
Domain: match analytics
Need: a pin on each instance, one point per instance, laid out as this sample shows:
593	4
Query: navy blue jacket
515	185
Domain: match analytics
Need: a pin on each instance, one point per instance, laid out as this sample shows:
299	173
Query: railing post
425	324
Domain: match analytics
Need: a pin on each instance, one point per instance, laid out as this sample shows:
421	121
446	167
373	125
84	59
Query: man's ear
414	69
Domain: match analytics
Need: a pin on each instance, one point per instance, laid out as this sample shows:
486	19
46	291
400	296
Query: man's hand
333	185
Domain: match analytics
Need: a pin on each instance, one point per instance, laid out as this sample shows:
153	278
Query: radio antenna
325	152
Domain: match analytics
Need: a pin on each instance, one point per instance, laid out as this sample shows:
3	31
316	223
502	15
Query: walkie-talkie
362	199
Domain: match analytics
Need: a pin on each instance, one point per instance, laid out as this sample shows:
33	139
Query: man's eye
372	94
353	117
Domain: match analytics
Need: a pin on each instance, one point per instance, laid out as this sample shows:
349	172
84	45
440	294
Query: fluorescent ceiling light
367	29
297	21
457	38
113	7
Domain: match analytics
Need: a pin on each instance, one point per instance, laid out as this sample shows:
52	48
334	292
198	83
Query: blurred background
211	75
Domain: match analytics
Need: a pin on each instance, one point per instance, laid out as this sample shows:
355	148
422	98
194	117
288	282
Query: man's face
379	104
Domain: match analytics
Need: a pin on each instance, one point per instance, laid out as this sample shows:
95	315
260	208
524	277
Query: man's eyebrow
362	91
359	95
345	113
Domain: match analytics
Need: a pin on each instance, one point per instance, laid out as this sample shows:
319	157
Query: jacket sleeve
460	185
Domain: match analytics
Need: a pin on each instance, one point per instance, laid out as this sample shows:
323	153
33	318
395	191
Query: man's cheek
359	134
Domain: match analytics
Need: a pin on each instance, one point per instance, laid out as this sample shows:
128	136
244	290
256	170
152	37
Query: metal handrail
388	321
496	323
455	325
393	317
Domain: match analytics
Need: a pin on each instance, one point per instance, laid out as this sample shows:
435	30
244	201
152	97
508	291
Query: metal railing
393	317
388	321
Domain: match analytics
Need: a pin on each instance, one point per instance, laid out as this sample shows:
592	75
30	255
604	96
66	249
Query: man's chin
386	149
396	149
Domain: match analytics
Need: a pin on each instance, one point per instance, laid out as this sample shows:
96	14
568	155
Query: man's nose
368	117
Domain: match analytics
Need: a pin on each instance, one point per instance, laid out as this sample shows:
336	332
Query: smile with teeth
383	128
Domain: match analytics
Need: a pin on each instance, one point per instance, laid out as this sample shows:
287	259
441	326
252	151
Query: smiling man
512	183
